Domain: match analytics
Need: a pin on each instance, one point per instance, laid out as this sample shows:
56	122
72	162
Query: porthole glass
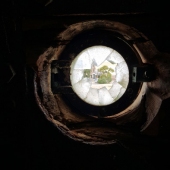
99	75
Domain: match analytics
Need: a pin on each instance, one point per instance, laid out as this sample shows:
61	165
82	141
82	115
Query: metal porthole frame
117	127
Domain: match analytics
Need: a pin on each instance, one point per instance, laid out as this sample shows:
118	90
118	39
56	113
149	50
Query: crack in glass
99	75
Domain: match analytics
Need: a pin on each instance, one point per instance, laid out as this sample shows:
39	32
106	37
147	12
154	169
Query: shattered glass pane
99	75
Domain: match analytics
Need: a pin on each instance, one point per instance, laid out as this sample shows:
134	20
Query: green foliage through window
86	73
105	78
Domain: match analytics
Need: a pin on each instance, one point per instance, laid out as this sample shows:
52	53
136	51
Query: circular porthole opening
98	68
99	75
74	68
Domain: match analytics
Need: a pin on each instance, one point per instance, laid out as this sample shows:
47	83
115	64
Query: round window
88	84
98	66
99	75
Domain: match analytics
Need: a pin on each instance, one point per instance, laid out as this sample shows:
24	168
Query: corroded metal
87	129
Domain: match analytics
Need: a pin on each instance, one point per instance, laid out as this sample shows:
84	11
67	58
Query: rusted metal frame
76	29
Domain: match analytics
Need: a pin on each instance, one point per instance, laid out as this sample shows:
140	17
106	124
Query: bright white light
99	75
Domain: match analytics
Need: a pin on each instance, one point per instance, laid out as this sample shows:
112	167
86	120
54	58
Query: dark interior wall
27	139
52	7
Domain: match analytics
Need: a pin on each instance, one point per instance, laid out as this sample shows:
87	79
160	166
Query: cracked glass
99	75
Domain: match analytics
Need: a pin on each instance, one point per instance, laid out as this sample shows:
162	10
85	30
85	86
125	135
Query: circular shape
110	40
99	75
64	110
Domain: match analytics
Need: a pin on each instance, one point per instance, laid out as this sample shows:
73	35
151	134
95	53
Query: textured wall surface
27	139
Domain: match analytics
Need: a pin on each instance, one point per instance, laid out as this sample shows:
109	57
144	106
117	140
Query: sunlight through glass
99	75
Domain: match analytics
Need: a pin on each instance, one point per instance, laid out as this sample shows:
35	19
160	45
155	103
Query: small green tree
105	75
86	73
103	69
105	78
110	70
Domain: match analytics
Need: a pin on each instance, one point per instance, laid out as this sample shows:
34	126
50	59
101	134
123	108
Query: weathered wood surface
107	130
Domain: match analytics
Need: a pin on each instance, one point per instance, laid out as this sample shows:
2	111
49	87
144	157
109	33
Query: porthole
99	75
98	48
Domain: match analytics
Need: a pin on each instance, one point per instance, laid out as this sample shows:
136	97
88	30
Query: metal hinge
60	77
145	73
